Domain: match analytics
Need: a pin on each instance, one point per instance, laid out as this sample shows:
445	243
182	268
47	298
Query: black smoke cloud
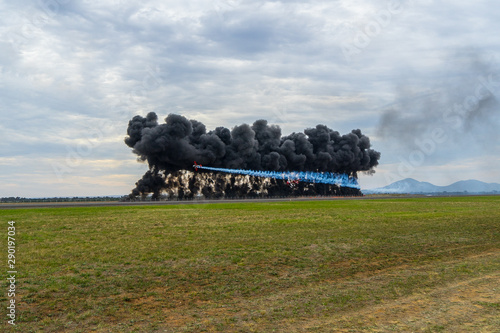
171	148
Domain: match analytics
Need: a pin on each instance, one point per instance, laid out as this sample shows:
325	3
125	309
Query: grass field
401	265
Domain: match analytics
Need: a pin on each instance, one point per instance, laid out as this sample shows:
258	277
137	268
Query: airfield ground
381	265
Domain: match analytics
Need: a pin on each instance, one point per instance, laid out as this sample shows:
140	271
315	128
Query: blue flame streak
307	176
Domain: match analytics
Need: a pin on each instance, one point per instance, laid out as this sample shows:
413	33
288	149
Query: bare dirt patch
471	305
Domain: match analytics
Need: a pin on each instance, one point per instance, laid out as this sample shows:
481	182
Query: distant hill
412	186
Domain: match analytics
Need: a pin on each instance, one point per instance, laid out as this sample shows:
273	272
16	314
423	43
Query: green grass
252	267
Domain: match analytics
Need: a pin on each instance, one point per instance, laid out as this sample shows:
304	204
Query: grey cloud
248	31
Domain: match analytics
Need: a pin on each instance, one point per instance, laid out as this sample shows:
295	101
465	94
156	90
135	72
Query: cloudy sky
420	78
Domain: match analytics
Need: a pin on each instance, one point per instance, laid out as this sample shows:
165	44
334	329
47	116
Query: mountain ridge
413	186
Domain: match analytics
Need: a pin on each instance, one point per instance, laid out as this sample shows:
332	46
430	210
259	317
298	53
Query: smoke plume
171	148
464	105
